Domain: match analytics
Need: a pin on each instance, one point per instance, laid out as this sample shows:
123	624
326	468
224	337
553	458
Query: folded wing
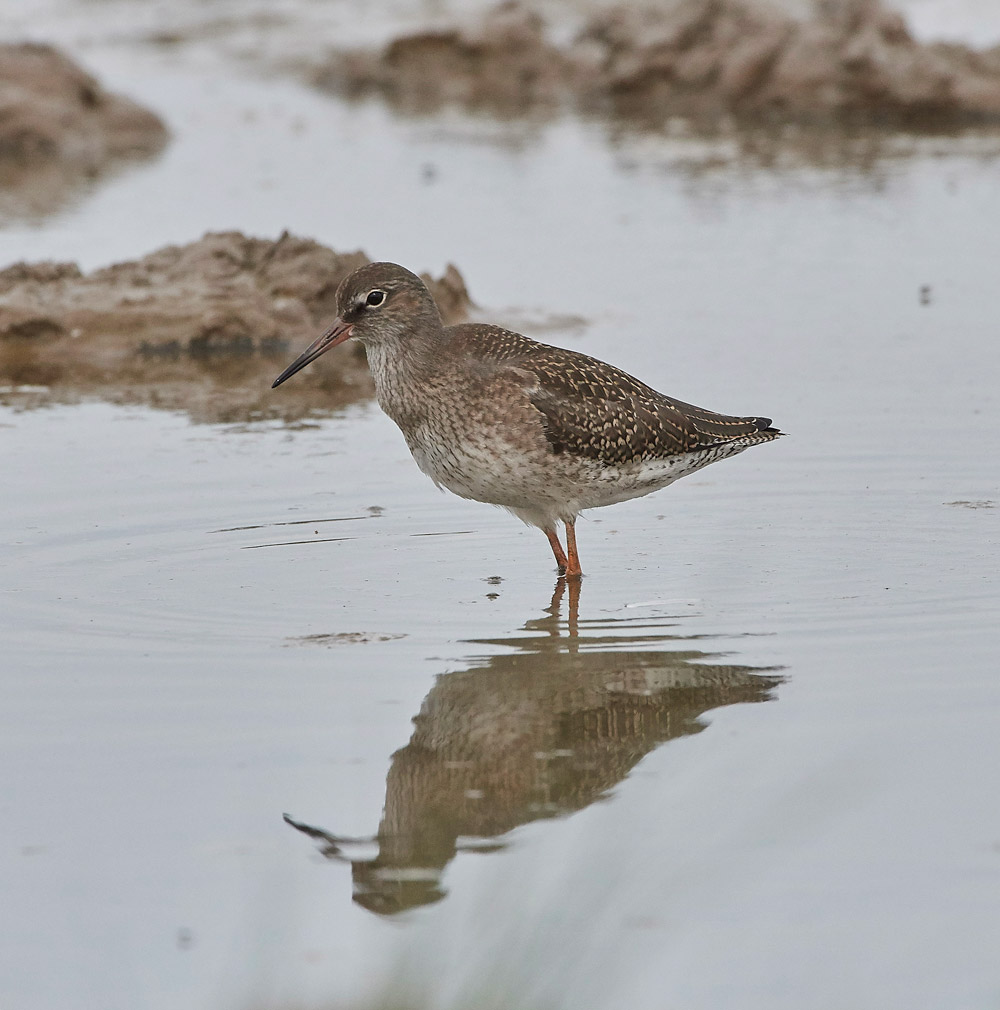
591	409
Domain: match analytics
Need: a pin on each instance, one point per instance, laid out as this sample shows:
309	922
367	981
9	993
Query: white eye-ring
375	298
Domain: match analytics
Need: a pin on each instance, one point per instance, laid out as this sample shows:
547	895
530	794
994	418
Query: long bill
337	334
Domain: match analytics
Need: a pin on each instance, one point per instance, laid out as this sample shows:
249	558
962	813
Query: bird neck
404	369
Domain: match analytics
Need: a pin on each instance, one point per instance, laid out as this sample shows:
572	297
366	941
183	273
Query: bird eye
375	298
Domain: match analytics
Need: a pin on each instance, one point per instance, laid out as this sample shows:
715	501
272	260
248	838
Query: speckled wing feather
592	409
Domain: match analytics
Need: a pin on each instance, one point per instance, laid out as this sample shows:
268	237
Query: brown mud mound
58	127
851	62
505	64
203	328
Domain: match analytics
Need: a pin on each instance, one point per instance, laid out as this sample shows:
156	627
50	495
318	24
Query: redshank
498	417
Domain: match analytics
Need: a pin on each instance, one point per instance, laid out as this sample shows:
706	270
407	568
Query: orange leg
557	551
573	569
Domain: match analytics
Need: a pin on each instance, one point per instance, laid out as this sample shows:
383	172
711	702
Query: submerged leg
557	551
573	569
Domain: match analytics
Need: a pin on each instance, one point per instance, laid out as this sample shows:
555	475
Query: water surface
755	765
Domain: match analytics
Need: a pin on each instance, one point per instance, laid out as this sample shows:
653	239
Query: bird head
378	303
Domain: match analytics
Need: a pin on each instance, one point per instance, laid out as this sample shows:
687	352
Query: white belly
542	488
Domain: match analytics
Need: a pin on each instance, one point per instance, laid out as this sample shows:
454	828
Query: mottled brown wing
623	430
592	409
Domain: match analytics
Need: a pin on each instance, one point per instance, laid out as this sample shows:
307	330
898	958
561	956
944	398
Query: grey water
755	764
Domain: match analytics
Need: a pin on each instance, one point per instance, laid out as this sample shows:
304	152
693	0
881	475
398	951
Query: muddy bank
851	62
203	327
59	128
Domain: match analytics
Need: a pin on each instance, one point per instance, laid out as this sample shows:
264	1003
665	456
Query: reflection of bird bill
537	732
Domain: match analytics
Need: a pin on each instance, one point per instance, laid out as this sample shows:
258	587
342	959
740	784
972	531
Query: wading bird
497	417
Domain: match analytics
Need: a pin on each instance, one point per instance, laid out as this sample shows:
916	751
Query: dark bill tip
337	334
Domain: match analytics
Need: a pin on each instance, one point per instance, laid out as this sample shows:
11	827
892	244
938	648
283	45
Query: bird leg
558	552
573	569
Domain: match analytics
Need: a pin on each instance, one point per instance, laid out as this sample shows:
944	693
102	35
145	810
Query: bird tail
763	433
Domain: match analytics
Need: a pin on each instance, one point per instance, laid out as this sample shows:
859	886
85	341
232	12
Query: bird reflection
539	732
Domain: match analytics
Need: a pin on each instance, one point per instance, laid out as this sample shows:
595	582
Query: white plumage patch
542	488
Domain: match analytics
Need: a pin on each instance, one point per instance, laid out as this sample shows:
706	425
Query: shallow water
755	765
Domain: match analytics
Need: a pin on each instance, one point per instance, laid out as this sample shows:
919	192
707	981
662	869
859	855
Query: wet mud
59	128
852	62
202	328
